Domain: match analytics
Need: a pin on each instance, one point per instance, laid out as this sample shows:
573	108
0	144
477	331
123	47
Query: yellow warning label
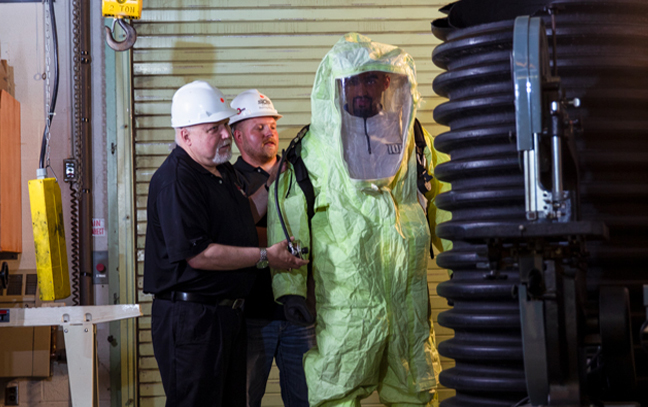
122	8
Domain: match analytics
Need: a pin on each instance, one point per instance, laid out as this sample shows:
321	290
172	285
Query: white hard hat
252	103
198	102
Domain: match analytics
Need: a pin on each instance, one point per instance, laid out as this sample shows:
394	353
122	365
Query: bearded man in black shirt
270	336
202	256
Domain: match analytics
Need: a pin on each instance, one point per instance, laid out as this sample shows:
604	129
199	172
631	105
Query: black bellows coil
602	59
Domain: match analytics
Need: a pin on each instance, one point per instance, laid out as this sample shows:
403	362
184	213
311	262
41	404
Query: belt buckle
238	303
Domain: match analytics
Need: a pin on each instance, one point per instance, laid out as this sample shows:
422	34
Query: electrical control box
49	239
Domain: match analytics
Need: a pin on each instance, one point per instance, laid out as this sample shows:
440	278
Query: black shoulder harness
423	178
293	156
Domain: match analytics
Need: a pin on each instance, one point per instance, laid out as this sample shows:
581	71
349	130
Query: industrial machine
549	181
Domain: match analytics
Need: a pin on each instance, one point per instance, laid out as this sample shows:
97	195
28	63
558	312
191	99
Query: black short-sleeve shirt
260	303
188	209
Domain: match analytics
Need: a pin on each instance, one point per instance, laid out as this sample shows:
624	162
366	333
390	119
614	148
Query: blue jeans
287	343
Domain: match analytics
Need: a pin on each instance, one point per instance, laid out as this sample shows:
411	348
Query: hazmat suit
369	236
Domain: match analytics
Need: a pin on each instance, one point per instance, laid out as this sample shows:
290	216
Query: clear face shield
375	108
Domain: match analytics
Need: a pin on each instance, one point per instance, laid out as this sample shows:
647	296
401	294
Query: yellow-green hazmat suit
370	237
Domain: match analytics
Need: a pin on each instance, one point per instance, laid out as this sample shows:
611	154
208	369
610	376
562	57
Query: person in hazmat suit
369	238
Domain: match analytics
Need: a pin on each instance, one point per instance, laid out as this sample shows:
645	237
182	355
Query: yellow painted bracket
49	239
122	9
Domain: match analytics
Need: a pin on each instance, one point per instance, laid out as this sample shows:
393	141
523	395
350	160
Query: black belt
199	298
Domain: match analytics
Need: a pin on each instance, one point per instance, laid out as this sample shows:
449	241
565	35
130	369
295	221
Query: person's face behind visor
363	93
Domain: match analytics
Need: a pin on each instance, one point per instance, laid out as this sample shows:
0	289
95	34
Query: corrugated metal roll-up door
272	46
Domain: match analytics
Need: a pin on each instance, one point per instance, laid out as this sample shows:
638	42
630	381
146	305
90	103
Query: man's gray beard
222	158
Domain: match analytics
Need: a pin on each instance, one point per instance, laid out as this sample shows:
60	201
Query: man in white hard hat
270	336
202	256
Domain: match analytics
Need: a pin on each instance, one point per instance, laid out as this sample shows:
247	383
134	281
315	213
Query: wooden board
10	194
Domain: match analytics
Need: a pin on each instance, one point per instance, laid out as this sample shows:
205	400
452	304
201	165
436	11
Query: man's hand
279	257
296	310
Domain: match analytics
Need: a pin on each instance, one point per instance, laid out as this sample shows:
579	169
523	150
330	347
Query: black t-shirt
260	303
188	209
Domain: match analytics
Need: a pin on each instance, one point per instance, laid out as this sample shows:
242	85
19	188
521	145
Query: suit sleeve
292	203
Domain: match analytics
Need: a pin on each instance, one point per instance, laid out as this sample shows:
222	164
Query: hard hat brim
240	118
214	118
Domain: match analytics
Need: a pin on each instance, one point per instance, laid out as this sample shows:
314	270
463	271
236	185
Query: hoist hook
131	36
